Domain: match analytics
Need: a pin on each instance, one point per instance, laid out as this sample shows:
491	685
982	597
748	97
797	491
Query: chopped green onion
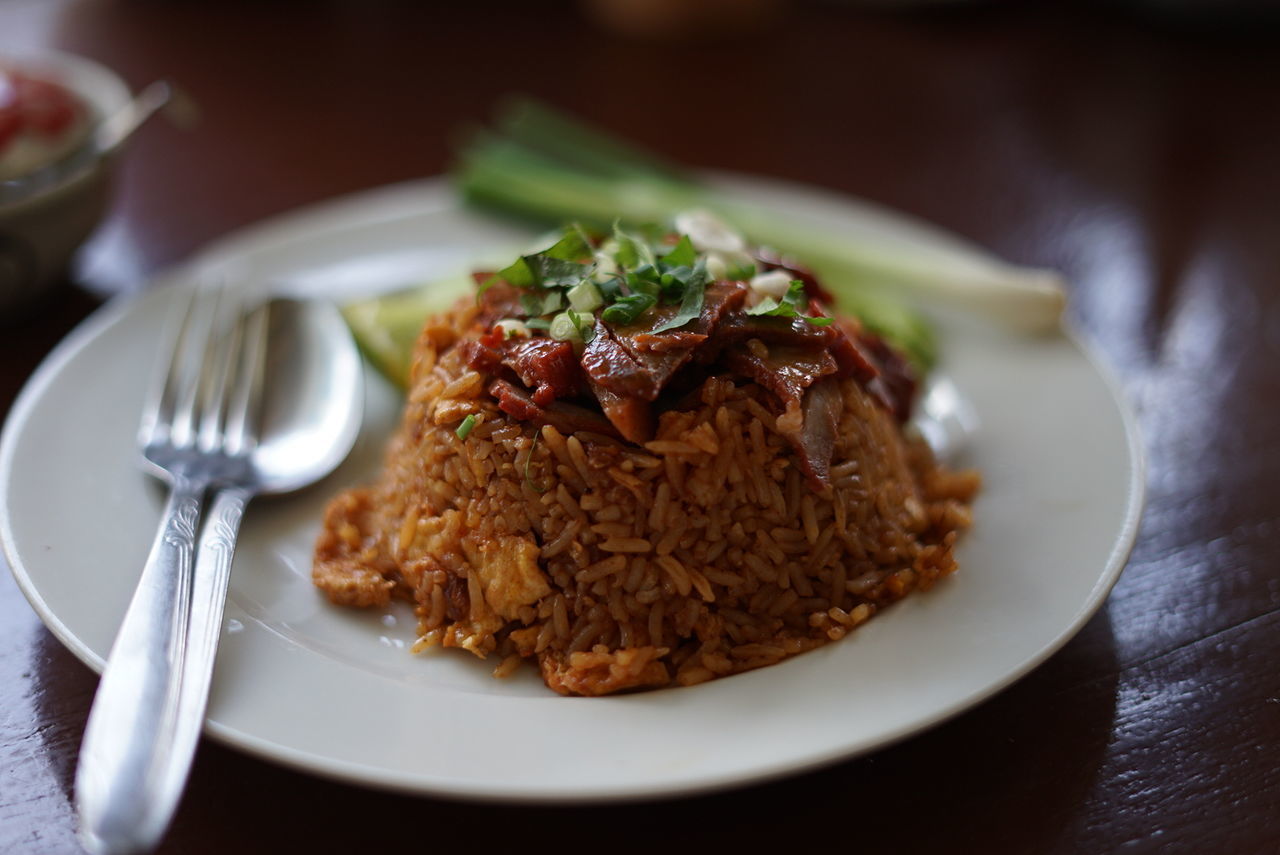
538	304
717	267
464	429
640	282
585	296
562	328
734	267
553	302
570	326
611	288
512	328
532	304
585	324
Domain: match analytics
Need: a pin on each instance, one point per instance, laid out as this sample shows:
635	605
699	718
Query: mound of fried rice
702	553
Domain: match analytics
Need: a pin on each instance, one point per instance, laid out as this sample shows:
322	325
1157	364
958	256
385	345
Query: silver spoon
150	706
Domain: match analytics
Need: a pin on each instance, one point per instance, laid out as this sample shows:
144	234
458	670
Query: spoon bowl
314	396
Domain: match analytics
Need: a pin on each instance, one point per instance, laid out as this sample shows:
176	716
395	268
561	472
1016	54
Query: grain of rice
715	550
723	578
578	458
671	446
837	590
676	572
635	575
597	571
671	538
560	617
629	481
626	544
704	438
586	636
762	571
701	585
661	501
609	513
561	542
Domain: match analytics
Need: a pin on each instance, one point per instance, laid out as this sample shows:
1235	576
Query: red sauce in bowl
40	110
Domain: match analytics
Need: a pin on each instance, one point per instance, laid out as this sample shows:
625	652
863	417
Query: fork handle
132	768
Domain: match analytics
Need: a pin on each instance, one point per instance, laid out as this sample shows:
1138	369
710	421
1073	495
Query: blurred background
1134	146
1034	128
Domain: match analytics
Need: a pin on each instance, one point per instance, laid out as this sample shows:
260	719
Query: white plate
335	691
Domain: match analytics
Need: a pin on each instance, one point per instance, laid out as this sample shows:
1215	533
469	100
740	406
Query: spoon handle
117	128
208	600
124	791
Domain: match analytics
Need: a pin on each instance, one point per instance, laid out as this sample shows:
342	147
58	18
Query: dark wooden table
1140	154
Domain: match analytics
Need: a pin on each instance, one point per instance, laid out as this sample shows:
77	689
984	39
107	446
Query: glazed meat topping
616	369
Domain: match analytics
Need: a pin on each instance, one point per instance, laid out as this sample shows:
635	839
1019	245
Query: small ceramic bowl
43	221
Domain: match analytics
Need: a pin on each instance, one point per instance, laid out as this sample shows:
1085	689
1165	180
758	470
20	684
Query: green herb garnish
695	289
633	250
573	246
682	254
537	488
464	429
564	281
628	309
793	304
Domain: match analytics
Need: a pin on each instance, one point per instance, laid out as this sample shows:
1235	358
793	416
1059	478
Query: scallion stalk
552	168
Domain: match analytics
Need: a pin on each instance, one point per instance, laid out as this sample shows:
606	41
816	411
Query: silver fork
198	431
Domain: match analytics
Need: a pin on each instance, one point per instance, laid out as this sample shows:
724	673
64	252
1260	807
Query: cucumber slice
387	327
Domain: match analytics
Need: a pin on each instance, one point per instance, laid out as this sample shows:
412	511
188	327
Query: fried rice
701	552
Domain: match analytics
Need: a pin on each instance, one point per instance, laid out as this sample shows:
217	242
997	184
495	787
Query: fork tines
204	393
